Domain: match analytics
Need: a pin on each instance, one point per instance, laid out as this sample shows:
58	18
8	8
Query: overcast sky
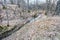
42	1
38	0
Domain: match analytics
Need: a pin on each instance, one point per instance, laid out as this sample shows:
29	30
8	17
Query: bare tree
53	7
28	3
1	17
7	17
1	20
36	4
58	8
18	3
11	1
4	1
49	7
21	3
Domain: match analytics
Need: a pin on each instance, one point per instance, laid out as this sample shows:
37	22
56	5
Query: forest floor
45	28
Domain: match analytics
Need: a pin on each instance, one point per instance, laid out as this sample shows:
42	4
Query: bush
3	28
45	13
28	11
4	7
22	10
35	16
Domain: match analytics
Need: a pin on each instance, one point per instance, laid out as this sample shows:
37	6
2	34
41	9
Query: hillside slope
41	29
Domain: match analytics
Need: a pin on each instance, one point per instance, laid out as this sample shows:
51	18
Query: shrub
34	16
46	13
3	28
4	7
28	11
